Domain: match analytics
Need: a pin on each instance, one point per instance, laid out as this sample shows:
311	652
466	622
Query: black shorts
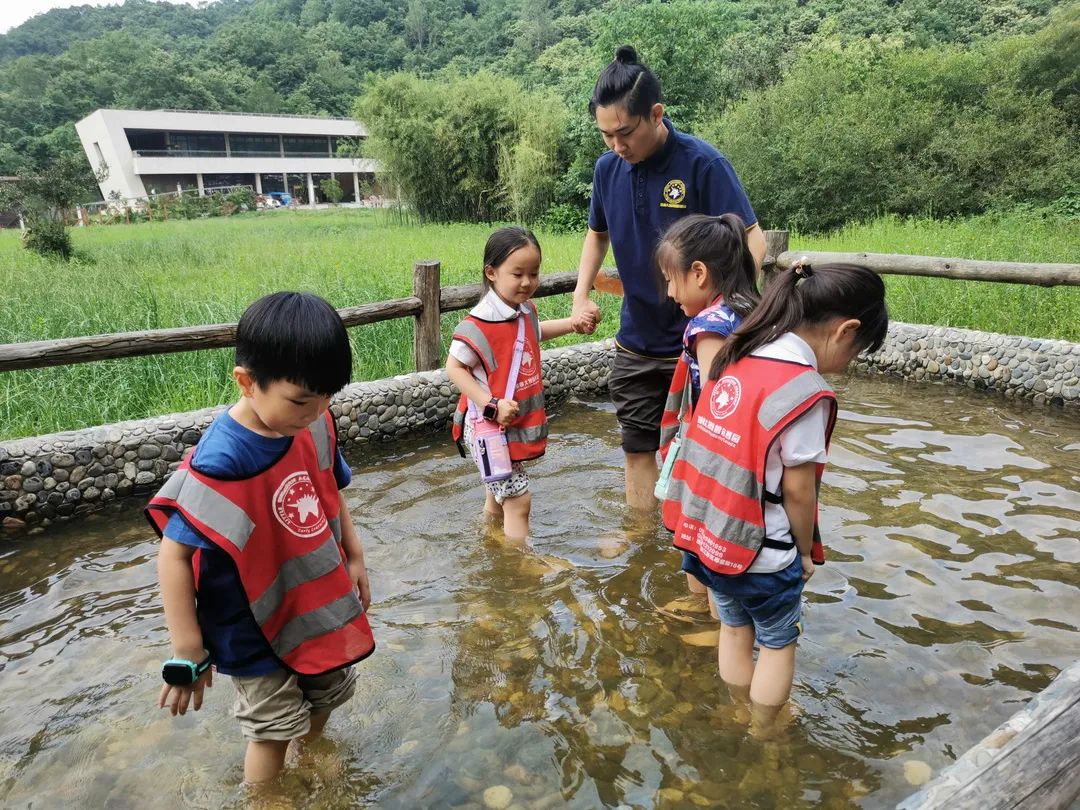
639	387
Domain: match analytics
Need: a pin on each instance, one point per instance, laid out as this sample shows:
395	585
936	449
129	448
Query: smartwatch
181	672
491	410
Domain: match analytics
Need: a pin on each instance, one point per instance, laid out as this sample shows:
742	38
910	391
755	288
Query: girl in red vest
708	270
480	361
743	496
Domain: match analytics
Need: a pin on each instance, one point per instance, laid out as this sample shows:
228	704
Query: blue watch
181	672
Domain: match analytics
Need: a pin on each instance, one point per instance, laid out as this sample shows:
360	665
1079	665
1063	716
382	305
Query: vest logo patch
297	507
674	194
528	361
725	397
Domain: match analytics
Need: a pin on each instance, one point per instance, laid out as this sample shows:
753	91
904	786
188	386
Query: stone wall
57	477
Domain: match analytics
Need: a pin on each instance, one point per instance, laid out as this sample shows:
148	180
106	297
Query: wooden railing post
427	339
776	242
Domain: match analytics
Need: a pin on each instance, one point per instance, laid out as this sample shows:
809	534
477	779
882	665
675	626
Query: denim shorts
771	602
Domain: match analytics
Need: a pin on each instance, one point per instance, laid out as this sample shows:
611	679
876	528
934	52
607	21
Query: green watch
181	672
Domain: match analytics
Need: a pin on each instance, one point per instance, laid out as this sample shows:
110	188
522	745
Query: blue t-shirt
716	319
635	204
229	450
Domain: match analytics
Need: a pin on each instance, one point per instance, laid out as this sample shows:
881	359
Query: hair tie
803	270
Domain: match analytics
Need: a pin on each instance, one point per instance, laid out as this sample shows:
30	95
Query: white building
155	151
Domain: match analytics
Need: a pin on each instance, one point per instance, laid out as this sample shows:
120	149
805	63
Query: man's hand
358	574
177	698
508	411
807	566
585	316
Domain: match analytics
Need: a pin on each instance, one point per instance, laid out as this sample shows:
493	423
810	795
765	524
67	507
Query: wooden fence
429	300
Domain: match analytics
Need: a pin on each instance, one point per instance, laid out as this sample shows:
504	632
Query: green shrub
855	131
565	218
472	149
47	237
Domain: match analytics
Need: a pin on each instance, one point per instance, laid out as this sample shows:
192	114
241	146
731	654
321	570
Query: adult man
652	176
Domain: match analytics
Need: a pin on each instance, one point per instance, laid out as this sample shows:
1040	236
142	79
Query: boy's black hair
501	244
627	82
297	337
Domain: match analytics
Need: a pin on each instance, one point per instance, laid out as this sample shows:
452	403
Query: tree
331	189
42	197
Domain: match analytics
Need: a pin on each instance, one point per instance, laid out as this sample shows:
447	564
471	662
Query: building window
304	145
217	181
244	145
197	144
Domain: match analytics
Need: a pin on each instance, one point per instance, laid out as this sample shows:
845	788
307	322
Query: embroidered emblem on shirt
674	194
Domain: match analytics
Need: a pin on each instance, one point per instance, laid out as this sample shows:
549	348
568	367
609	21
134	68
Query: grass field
158	275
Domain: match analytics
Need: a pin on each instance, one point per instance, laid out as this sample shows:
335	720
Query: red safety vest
493	342
282	529
716	500
669	420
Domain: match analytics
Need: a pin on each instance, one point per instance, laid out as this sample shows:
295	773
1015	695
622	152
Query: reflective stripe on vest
669	421
209	507
282	529
716	500
469	332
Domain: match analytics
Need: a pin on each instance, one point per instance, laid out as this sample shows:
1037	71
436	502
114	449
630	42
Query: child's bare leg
773	676
493	511
735	656
516	517
318	723
263	760
695	586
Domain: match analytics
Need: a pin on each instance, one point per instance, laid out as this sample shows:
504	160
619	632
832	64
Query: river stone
83	456
13	482
33	484
144	478
28	468
917	772
148	451
498	797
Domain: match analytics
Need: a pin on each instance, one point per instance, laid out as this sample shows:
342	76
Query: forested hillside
724	65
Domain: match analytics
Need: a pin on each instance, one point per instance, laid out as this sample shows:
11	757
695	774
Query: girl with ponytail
743	497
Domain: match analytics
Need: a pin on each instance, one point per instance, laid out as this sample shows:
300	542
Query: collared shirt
635	204
489	308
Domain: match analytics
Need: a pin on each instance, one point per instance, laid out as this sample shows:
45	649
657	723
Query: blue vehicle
283	197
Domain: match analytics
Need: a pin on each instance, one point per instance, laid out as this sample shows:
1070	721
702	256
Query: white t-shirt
489	308
802	441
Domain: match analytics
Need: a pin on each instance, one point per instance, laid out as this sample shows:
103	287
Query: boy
262	574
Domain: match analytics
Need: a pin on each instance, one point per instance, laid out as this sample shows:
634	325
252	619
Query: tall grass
158	275
1016	309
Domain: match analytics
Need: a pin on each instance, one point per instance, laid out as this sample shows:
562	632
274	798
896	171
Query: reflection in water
576	674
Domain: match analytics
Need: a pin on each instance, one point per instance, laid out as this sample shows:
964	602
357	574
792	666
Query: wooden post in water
427	338
776	242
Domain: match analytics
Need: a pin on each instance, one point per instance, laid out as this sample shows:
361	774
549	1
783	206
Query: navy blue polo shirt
635	204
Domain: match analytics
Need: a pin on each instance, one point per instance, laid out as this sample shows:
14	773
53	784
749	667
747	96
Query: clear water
567	675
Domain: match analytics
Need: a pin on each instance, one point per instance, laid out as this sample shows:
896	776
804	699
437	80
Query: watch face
177	674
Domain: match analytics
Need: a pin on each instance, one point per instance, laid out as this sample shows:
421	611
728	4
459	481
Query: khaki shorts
279	705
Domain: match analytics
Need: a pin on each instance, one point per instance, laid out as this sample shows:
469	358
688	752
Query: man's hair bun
626	55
